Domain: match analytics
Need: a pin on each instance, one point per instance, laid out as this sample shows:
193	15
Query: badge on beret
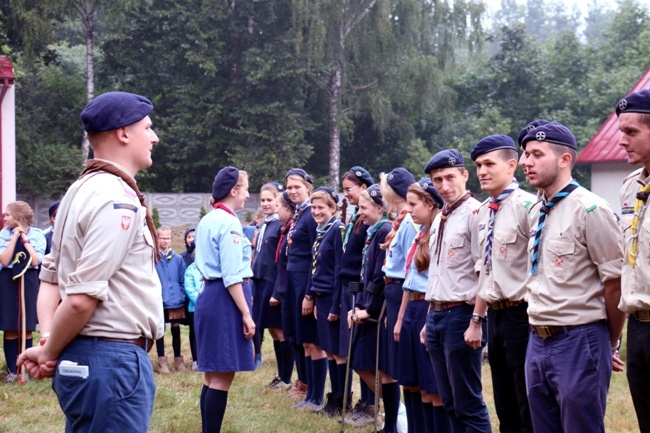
530	128
373	193
358	173
452	161
622	104
540	136
389	177
425	186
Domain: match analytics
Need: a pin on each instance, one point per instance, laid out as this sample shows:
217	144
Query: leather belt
244	280
548	331
144	343
393	280
502	305
441	306
641	315
416	296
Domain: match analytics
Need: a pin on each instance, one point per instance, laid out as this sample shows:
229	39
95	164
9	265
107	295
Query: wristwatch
477	319
309	297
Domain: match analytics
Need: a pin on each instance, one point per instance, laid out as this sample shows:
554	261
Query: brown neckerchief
446	210
95	165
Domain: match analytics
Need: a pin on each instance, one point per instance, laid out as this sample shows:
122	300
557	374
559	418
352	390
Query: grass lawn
251	406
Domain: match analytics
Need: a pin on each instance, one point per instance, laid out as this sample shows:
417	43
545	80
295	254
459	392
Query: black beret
492	143
426	186
224	181
400	179
375	194
53	208
552	132
330	192
447	158
114	110
286	198
637	102
362	174
299	172
526	129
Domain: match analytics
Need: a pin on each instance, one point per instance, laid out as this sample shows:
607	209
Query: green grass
251	406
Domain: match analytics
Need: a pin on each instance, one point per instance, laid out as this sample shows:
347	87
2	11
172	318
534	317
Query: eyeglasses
351	189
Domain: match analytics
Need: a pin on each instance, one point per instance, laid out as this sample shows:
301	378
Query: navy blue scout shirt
327	276
351	264
302	241
372	272
264	266
281	267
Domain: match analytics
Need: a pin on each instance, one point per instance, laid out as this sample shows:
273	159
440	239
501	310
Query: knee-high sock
310	378
176	340
418	412
287	355
257	341
427	410
160	346
341	368
192	338
391	406
334	377
215	407
11	354
28	343
367	394
278	355
319	377
204	390
441	421
301	368
409	410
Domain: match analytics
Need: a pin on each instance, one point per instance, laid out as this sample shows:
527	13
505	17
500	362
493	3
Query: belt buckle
543	331
643	316
437	306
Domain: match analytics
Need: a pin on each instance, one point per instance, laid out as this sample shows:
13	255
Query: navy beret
362	174
400	179
224	181
426	186
447	158
286	198
551	132
53	208
277	186
491	143
637	102
532	125
114	110
330	192
375	194
299	172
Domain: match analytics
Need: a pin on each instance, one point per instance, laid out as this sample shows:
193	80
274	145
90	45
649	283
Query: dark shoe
334	405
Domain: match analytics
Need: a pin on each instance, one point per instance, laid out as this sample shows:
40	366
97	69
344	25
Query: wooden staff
21	300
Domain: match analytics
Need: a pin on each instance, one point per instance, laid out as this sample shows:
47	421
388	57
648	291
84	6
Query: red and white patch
235	240
502	250
559	261
450	254
126	222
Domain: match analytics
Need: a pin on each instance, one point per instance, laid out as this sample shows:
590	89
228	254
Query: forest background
266	85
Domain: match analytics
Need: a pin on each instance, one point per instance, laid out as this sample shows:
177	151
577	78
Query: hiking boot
362	418
334	405
11	378
179	364
163	368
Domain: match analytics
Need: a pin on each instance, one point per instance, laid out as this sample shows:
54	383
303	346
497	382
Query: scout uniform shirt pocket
559	257
503	247
454	255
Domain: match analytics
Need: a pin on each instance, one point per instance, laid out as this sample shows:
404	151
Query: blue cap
400	179
552	132
532	125
286	198
362	174
330	192
224	181
492	143
448	158
277	185
114	110
299	172
426	186
53	208
375	194
637	102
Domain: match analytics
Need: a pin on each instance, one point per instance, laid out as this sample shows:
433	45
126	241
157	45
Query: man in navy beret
102	269
633	113
576	256
503	235
522	134
451	291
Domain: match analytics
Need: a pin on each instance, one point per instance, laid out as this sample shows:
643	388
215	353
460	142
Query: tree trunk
88	20
335	128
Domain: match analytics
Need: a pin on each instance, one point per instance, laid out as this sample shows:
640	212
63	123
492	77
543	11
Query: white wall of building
607	179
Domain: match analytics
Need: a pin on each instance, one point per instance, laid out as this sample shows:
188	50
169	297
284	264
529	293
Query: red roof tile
602	147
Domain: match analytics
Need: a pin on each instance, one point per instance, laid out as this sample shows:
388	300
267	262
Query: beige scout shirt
101	247
581	248
454	279
635	282
507	277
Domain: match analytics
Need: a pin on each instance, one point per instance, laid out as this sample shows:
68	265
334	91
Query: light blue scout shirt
35	236
395	266
415	281
222	250
193	284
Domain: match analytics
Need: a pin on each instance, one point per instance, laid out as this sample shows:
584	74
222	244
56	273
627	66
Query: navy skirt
306	329
415	367
328	332
344	330
9	308
393	293
220	341
265	315
364	347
